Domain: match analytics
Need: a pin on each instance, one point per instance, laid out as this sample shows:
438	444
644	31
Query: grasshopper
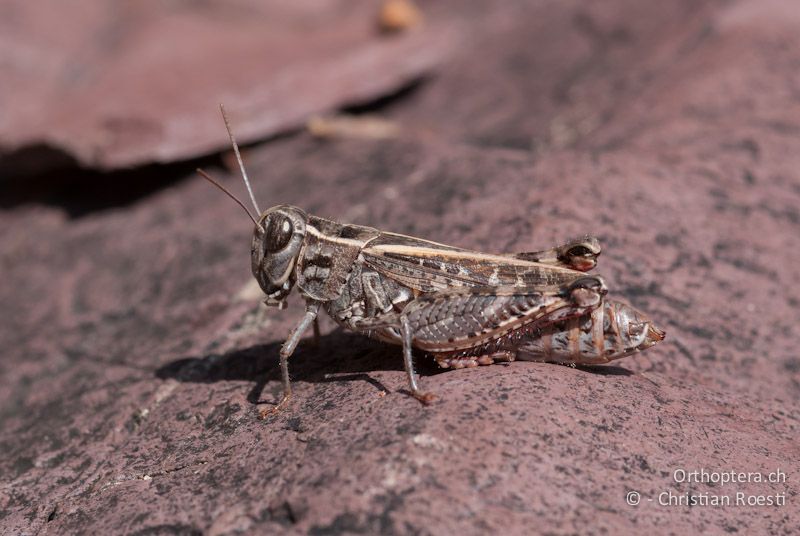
463	307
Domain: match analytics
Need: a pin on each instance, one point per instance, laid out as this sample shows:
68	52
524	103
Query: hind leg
443	321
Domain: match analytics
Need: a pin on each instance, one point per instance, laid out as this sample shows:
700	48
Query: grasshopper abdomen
610	332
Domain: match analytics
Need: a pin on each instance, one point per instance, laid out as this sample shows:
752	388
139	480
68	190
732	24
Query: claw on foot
274	410
425	398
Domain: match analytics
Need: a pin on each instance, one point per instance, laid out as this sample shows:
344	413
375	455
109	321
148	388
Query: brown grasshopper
465	308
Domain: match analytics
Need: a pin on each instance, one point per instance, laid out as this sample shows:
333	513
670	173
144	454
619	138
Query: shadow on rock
605	370
339	356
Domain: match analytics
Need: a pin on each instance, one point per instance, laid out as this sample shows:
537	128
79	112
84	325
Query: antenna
207	177
239	158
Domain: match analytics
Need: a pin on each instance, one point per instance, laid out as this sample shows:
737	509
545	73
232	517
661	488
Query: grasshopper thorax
277	241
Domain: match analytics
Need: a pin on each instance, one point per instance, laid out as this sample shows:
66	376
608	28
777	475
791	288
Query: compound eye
579	251
278	233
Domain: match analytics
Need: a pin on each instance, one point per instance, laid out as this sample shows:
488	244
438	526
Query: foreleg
312	309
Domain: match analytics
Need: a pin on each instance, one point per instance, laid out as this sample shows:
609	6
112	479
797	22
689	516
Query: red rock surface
136	357
113	84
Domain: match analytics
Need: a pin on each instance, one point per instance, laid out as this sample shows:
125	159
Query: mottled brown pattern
324	265
436	299
418	266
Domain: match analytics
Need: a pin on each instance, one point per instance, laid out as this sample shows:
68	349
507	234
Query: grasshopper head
277	241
